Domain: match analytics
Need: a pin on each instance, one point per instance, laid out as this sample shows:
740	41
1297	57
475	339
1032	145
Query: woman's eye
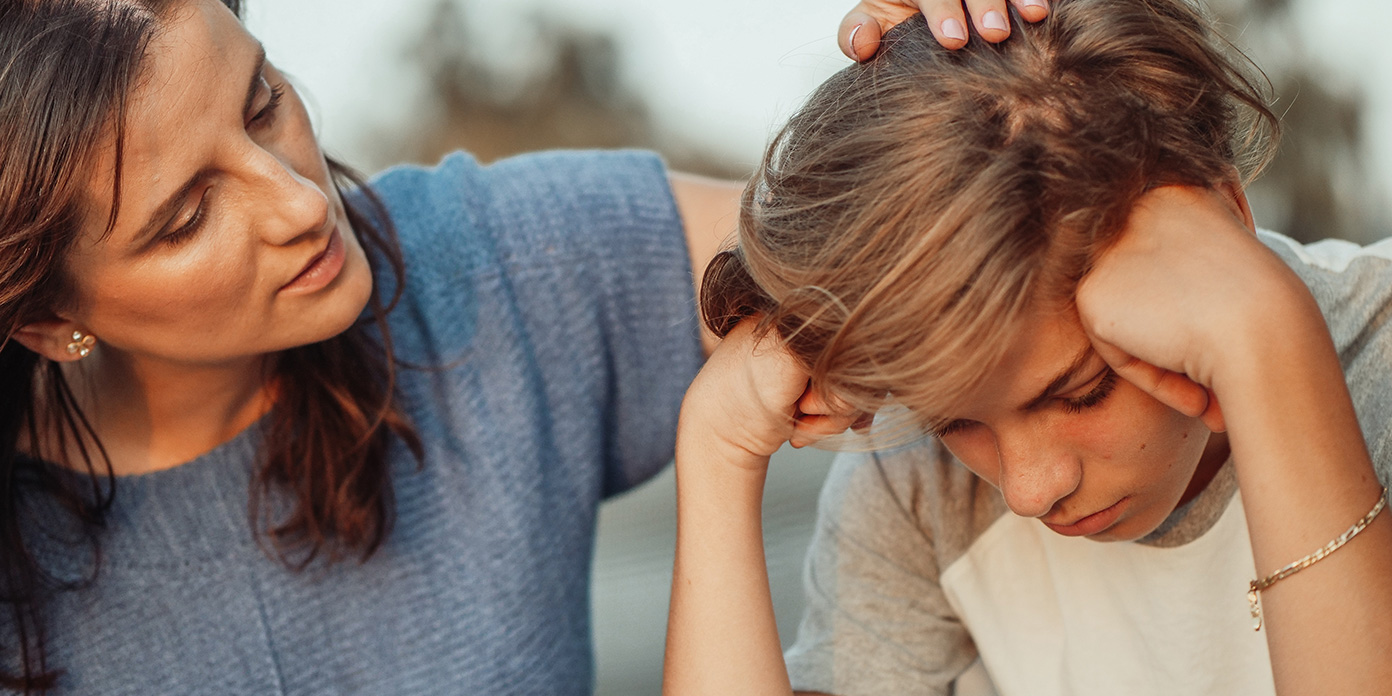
186	231
266	116
1098	394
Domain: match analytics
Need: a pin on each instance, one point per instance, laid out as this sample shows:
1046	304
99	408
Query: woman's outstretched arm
1189	305
709	209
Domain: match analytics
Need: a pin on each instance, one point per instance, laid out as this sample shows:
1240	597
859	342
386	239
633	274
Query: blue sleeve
575	261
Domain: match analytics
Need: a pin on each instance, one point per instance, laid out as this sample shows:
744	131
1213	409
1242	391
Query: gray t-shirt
917	568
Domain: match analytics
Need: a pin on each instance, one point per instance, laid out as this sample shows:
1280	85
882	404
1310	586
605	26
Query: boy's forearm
721	634
1305	477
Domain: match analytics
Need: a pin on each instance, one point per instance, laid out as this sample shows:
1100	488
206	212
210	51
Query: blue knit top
549	298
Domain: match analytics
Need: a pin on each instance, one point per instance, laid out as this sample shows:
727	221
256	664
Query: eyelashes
1096	396
187	230
948	428
1078	404
266	116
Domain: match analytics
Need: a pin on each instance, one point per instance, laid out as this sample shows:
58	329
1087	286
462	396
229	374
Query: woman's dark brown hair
67	68
919	204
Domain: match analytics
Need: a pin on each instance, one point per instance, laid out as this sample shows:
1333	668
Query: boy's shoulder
1353	286
919	484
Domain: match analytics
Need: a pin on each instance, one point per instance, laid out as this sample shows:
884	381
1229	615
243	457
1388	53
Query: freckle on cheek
1143	445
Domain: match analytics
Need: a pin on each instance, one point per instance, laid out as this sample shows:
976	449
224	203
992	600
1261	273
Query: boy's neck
1215	454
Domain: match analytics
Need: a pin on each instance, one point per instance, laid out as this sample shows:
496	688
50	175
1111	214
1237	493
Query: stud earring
81	344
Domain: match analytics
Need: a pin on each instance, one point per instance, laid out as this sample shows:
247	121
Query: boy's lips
1090	524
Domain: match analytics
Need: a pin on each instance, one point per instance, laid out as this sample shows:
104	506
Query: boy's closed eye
1088	395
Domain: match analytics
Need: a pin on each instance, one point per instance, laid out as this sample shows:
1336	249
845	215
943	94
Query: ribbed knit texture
550	296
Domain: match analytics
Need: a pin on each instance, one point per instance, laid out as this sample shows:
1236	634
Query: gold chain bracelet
1255	589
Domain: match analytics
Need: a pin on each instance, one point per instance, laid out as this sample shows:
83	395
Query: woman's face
231	240
1069	442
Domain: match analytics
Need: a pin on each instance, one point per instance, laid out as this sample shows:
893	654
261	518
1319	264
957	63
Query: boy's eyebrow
1062	379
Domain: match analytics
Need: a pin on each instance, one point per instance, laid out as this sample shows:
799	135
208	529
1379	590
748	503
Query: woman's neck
152	414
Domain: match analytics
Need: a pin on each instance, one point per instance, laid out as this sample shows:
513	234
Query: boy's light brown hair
921	203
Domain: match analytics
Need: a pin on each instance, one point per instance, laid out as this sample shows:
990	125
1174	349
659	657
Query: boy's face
1068	441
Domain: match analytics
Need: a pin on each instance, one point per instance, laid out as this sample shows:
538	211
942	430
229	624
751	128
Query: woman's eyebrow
1063	378
255	78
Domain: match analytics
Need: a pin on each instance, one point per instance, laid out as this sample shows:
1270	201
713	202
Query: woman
1041	251
215	477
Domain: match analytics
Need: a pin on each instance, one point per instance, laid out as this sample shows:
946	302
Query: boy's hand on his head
1185	292
950	20
751	397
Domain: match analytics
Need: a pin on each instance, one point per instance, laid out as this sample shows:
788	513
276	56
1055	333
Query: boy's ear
58	340
1237	197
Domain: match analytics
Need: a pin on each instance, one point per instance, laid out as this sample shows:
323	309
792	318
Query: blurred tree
1318	185
572	97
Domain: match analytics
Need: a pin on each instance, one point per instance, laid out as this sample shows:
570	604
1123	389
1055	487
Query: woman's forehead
190	88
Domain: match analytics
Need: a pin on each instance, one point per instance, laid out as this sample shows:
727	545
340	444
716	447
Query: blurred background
706	84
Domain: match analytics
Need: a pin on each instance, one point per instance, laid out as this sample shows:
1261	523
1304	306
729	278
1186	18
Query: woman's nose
1035	472
296	205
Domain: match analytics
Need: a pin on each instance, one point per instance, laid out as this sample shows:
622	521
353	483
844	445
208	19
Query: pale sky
720	72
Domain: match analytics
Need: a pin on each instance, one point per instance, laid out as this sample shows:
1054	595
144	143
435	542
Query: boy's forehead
1047	347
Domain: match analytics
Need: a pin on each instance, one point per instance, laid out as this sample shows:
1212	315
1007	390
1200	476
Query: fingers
808	430
949	20
990	19
1031	10
1213	415
859	35
820	417
1170	388
863	423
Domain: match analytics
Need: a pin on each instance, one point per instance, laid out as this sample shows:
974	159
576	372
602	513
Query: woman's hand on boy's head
950	20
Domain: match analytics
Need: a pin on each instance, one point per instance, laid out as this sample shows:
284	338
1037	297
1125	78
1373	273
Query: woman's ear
1236	196
58	340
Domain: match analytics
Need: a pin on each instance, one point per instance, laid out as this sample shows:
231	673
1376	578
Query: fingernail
953	29
851	41
1034	3
994	20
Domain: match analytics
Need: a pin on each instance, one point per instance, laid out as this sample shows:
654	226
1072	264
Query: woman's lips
322	269
1092	524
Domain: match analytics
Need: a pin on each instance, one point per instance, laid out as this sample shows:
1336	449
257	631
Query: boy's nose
1034	475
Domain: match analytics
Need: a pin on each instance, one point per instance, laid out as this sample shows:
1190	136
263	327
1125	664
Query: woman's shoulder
531	229
526	208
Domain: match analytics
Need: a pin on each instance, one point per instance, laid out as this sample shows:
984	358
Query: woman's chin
350	300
